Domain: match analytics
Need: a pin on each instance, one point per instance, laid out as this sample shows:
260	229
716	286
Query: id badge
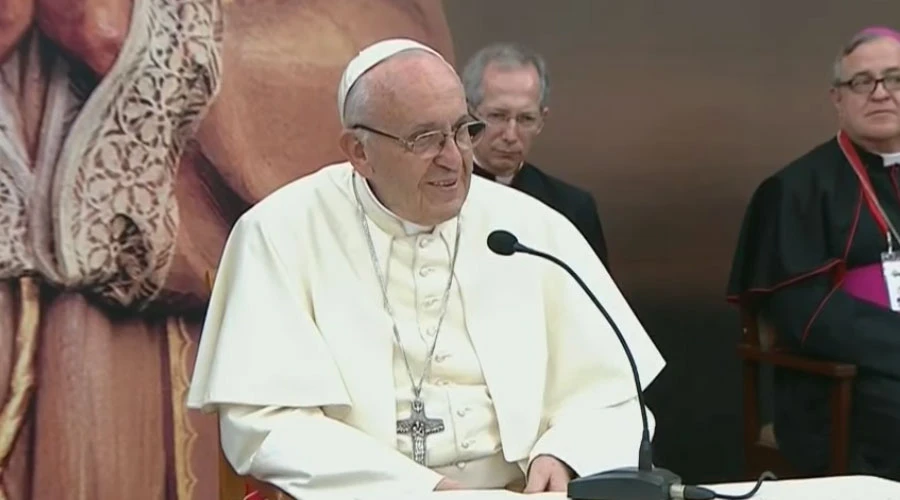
890	266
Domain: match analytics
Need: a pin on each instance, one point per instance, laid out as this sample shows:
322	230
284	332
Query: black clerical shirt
805	226
575	204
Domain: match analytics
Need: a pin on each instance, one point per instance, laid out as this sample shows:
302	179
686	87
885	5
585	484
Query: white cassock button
431	331
424	242
462	412
466	445
461	465
440	358
425	271
431	302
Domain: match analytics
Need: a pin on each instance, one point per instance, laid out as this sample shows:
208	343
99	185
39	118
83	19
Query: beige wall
671	112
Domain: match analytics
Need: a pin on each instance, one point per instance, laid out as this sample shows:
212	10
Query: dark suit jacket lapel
483	173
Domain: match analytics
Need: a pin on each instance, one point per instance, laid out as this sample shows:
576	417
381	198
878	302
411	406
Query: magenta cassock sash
867	283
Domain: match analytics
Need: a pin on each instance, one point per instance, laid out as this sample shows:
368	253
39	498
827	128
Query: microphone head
502	242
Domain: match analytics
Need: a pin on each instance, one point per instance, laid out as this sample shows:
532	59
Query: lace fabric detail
15	178
14	255
107	218
119	214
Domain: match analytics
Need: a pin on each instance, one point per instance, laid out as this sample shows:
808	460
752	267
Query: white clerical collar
891	159
387	219
506	180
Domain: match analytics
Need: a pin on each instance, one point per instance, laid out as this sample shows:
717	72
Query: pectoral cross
418	426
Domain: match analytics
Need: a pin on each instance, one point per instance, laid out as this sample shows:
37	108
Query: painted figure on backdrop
126	153
818	255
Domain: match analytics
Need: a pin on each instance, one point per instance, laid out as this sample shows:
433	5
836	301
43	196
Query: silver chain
417	389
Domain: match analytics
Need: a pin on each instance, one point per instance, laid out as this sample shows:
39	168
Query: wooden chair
759	351
233	486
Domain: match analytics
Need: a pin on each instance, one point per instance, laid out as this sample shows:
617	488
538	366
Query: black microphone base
628	483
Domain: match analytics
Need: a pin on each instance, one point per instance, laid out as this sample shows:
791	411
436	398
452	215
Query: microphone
504	243
644	482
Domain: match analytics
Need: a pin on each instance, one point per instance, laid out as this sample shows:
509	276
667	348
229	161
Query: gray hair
507	55
861	38
357	105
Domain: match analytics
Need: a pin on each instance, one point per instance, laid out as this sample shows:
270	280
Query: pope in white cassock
362	341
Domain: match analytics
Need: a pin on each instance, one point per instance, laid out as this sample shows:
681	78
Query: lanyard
887	228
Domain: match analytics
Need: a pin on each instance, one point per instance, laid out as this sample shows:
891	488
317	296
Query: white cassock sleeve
591	412
265	367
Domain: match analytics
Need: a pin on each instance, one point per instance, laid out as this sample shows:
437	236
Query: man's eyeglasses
428	145
866	84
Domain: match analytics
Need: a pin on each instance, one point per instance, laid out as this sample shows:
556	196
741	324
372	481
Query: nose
510	131
450	156
880	92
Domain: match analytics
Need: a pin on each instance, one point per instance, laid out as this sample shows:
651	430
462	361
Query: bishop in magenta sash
818	256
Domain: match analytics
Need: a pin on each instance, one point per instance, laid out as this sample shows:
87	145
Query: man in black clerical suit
810	256
507	86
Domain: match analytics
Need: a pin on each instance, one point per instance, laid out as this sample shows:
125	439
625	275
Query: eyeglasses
866	84
428	145
525	121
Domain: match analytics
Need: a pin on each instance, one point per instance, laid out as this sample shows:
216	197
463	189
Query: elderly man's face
421	95
871	114
511	106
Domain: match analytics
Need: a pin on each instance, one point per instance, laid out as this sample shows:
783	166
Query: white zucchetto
368	58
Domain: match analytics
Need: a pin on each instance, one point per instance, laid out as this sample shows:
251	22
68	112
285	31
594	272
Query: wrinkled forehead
420	91
417	113
515	87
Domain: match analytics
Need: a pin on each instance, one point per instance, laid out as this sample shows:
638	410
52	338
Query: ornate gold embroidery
22	382
185	435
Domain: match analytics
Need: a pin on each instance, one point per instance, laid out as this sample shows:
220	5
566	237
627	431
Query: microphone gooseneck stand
644	482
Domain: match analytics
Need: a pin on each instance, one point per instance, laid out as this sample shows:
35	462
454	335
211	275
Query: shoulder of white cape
501	205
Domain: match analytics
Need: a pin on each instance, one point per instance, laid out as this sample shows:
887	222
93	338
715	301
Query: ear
545	111
836	98
355	151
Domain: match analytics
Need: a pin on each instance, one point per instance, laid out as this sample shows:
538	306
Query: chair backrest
231	485
757	330
761	354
